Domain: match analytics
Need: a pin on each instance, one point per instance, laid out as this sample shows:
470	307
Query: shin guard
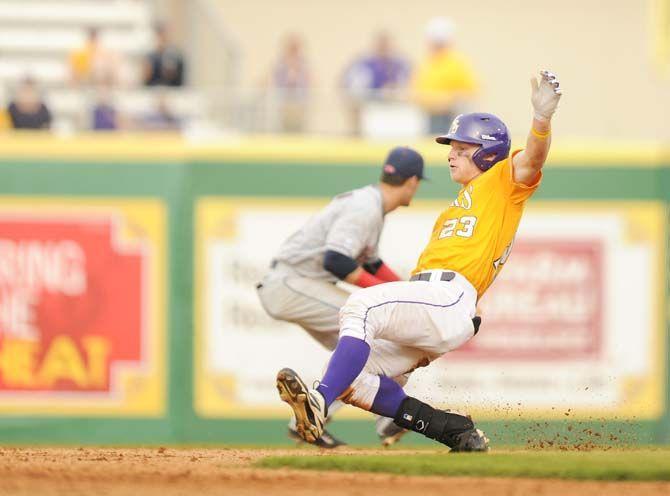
455	430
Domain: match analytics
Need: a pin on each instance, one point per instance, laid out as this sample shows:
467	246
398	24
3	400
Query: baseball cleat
389	433
326	441
308	405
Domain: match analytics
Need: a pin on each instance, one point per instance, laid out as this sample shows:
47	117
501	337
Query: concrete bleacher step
45	70
181	101
30	40
73	101
74	12
37	36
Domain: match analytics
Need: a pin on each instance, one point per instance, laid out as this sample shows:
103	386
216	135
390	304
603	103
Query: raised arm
545	97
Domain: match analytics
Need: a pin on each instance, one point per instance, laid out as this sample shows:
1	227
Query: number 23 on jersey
463	227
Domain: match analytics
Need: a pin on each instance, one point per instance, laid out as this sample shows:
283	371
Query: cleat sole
294	392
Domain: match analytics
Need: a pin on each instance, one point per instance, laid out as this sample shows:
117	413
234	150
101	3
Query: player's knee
354	304
362	391
352	317
461	334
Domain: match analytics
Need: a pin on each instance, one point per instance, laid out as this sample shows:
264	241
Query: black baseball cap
404	161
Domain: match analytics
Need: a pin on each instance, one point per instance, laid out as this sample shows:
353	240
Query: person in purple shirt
375	76
104	116
380	70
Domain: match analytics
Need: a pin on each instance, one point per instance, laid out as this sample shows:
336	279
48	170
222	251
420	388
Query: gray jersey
350	224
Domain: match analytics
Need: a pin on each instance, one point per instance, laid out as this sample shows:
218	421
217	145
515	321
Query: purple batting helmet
480	129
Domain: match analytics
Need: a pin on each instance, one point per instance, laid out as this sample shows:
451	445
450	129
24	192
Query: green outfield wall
154	186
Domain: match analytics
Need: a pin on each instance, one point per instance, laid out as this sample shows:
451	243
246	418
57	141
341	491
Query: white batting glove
546	95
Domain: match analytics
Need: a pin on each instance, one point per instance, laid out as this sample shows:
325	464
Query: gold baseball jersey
474	235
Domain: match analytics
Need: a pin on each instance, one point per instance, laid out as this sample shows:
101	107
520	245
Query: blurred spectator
291	82
105	116
165	65
5	121
27	110
160	119
93	63
370	75
445	80
376	76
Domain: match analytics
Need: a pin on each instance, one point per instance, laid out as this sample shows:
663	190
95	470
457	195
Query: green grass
652	464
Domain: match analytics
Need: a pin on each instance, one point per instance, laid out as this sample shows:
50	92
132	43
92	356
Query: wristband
365	280
384	272
538	134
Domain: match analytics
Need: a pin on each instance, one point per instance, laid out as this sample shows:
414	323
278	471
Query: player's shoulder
371	196
503	169
366	194
502	177
492	180
362	201
506	166
493	175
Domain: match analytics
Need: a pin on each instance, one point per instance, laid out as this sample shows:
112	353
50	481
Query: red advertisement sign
547	303
71	304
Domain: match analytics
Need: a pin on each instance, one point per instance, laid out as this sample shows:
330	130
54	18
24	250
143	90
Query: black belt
425	276
477	321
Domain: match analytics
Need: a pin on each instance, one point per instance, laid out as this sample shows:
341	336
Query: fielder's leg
327	440
388	432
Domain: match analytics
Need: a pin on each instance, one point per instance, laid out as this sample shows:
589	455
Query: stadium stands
38	36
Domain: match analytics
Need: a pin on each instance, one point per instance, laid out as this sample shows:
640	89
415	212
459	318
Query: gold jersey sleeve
474	235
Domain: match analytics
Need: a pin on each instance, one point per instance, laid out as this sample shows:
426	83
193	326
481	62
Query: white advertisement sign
573	319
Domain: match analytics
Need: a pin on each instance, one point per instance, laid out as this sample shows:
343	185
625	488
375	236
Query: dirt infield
166	472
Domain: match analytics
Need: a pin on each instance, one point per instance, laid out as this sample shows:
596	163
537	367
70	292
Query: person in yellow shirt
444	81
390	329
5	121
93	63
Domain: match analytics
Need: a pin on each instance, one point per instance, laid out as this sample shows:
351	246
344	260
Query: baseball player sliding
434	312
339	243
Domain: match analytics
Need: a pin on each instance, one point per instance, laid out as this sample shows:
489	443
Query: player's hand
546	95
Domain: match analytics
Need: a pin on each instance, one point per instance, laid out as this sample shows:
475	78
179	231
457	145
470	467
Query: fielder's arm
545	97
361	277
346	269
381	271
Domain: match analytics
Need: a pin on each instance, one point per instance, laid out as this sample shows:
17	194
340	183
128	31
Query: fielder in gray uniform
339	243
